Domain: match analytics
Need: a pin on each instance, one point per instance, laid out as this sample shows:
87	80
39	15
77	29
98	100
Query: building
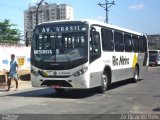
46	12
154	42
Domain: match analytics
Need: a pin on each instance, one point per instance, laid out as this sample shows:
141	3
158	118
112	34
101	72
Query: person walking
13	72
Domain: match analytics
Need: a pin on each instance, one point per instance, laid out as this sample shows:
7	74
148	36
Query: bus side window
135	43
107	40
95	49
128	43
118	40
95	43
145	44
141	44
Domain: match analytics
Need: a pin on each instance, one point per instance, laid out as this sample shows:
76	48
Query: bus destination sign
60	28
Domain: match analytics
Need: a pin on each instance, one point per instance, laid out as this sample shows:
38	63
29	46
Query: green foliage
8	34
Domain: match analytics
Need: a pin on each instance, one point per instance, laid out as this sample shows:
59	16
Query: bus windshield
60	46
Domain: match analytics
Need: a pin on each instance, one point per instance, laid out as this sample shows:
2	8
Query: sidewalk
22	85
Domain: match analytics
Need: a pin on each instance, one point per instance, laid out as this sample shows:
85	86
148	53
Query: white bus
82	54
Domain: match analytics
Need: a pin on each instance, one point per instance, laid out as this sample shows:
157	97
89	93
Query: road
123	97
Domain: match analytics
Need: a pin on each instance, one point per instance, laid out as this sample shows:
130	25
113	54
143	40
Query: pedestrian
13	72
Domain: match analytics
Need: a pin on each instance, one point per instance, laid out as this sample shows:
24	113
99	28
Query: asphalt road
124	97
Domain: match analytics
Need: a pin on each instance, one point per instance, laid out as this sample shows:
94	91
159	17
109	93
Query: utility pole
106	6
37	11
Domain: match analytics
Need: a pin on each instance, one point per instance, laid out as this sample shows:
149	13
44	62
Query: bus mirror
93	29
27	42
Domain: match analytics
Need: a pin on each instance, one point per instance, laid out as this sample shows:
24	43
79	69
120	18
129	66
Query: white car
154	60
158	60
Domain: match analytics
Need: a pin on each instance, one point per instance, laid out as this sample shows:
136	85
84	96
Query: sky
138	15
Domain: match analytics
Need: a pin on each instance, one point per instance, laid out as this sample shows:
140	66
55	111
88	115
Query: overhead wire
14	7
11	6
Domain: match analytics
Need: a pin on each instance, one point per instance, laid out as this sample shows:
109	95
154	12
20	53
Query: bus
154	57
84	54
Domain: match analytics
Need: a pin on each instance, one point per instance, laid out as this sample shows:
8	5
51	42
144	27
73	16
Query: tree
7	33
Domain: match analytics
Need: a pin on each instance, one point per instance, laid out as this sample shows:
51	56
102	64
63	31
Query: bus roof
94	22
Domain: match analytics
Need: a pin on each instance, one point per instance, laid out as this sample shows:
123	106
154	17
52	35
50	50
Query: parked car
154	60
158	60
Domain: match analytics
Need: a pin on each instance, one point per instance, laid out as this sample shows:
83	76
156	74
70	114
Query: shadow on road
68	93
122	83
51	93
156	109
156	96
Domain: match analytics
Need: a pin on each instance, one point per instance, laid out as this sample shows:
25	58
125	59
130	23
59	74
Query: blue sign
5	62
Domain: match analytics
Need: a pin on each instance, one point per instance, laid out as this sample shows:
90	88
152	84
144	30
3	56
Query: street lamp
37	11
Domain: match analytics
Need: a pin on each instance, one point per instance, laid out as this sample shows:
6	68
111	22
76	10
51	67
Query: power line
11	6
106	6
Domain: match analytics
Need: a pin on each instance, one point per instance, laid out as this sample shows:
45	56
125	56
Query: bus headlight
80	72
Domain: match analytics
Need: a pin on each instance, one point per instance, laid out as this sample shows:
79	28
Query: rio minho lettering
123	60
69	28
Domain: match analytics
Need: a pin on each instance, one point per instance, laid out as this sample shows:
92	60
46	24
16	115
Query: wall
22	54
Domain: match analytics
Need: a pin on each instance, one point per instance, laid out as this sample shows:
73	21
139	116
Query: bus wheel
104	83
59	90
135	75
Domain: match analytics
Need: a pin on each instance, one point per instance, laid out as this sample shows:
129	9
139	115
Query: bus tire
135	75
104	82
59	90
